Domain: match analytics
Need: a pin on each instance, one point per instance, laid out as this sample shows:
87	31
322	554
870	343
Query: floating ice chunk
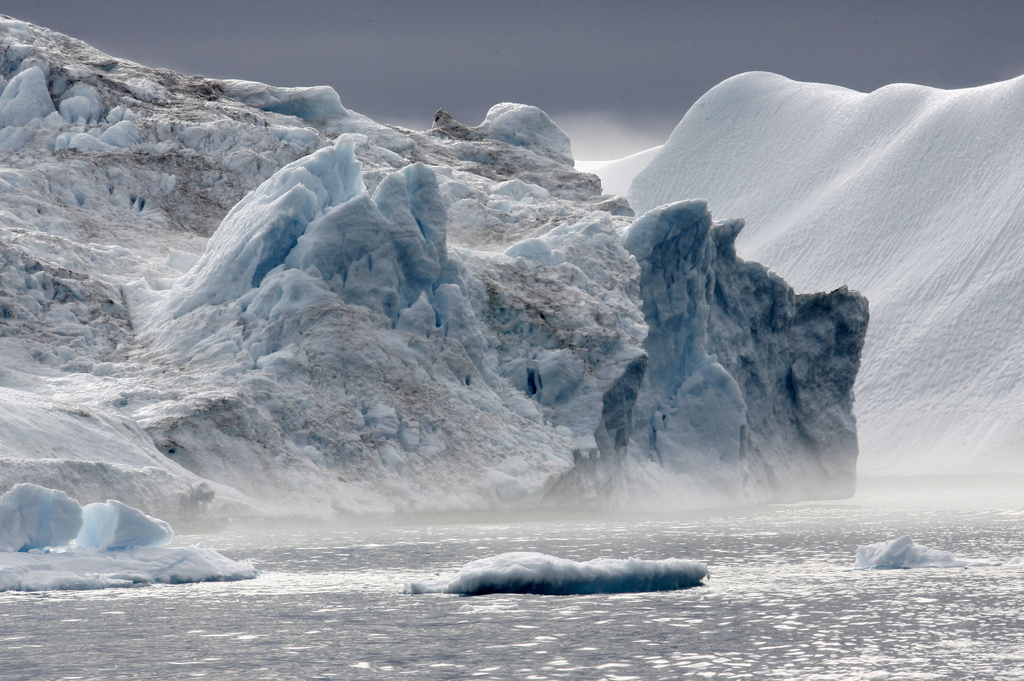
34	517
25	98
538	573
115	525
904	553
146	565
526	126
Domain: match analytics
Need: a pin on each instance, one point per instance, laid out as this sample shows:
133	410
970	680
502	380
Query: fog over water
783	601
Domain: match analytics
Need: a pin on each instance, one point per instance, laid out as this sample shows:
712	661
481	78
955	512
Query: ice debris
903	553
538	573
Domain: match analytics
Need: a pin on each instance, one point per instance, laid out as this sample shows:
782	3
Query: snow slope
910	195
223	297
618	174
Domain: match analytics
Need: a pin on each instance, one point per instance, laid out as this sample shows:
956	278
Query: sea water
783	601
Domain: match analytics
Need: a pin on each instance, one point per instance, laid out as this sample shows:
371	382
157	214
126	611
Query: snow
909	195
616	175
904	553
229	299
538	573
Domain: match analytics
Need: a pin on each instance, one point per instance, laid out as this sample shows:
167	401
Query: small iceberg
903	553
538	573
49	542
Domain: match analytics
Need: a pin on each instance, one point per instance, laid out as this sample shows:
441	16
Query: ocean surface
783	601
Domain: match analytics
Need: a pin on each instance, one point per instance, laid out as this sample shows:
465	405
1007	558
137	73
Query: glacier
908	194
538	573
225	299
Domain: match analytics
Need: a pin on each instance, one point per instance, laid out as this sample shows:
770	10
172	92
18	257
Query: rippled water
783	602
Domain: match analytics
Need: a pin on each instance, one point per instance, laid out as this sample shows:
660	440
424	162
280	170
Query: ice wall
749	386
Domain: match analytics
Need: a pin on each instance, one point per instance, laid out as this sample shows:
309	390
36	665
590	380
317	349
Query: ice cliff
228	298
908	194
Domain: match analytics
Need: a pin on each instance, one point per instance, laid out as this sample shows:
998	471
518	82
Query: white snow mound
904	553
910	195
616	175
538	573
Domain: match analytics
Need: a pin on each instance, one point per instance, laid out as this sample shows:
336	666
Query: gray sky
617	76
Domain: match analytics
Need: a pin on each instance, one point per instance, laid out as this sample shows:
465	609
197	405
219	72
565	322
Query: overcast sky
617	76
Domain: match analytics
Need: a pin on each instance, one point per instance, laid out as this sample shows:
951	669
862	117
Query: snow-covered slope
231	298
910	195
617	175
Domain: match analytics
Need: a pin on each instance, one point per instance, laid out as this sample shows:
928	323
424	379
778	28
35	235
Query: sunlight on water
783	602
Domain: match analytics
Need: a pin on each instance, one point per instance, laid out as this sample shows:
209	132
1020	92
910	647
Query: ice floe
903	553
538	573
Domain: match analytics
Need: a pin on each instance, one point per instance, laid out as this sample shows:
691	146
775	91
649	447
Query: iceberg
223	298
908	194
538	573
34	517
113	526
49	542
74	571
903	553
